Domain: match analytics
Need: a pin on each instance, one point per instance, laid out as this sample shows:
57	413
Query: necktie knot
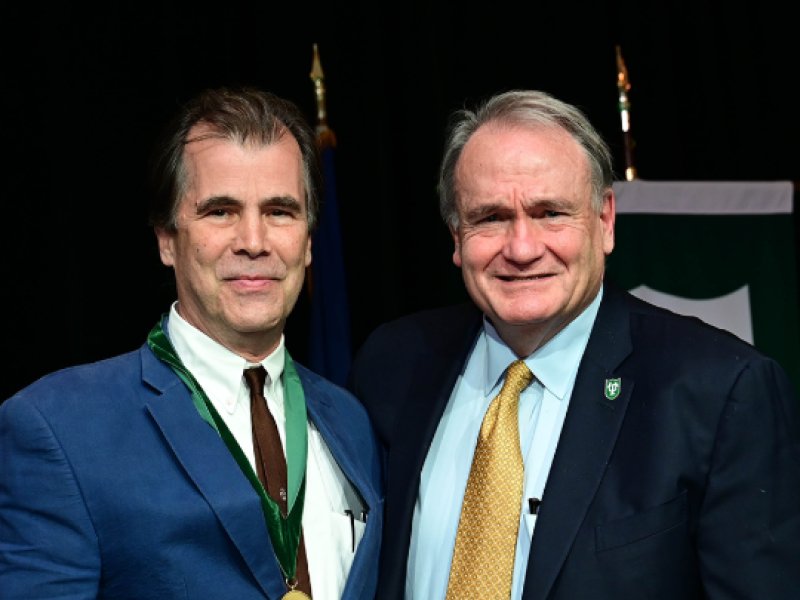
518	377
255	378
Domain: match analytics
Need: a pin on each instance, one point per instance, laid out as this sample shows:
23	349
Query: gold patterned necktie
486	543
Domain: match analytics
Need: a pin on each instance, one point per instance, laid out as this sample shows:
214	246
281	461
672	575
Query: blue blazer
687	485
113	486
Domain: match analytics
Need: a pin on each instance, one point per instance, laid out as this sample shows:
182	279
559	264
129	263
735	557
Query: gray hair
241	116
529	109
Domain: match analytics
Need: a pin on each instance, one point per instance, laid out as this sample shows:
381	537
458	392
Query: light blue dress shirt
542	408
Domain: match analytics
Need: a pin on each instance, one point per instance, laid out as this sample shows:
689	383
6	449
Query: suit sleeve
48	546
748	538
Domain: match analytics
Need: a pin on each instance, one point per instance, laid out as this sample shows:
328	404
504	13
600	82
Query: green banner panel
704	256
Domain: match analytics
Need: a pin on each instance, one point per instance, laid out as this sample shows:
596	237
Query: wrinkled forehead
497	148
250	138
203	134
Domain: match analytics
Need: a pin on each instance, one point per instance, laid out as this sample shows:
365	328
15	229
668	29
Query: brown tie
271	462
486	542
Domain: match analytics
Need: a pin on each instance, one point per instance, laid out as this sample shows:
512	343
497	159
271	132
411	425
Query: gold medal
294	594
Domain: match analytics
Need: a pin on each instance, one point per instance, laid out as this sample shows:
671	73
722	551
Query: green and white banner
723	252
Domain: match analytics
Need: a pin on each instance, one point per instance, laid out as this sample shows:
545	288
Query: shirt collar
217	369
554	364
274	363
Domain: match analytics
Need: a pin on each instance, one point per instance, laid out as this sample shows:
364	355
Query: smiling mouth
530	278
250	278
253	284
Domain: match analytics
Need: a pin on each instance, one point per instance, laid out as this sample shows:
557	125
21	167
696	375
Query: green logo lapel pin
613	387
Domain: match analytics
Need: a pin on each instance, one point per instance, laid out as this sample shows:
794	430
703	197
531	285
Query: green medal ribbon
284	532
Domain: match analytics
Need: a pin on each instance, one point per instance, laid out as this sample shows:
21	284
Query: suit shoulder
683	330
82	382
393	349
405	351
428	328
684	346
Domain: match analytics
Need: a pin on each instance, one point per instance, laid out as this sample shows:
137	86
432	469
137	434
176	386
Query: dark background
88	87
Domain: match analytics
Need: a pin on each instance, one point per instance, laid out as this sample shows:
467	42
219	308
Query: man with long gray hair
206	464
557	438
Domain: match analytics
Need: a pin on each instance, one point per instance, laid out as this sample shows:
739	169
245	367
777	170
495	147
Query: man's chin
254	322
256	328
524	316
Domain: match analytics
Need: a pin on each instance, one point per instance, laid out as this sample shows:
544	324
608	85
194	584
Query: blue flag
330	350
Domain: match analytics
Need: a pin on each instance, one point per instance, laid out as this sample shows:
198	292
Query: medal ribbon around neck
284	532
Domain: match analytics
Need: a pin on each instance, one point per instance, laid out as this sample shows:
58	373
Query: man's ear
166	246
308	251
457	242
608	216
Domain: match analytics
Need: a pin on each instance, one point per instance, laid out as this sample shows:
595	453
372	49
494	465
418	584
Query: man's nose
251	235
523	241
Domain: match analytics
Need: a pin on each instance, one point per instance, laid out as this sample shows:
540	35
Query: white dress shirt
542	408
329	535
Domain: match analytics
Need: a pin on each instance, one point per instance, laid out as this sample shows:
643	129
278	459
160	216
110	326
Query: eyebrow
558	205
215	202
223	201
485	210
283	201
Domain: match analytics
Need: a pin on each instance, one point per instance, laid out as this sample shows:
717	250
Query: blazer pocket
642	525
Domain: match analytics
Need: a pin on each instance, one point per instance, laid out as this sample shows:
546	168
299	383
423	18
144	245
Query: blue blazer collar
211	467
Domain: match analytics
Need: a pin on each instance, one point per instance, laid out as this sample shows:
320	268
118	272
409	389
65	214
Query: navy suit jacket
685	486
113	486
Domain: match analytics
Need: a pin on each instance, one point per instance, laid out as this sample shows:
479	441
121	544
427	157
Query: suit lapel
584	448
209	464
335	430
438	366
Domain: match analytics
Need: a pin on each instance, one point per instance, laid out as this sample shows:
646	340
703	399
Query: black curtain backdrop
90	85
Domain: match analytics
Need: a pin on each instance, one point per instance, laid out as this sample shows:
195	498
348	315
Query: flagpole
624	85
325	136
330	351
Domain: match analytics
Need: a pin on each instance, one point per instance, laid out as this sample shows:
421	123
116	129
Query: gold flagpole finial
624	85
325	136
316	66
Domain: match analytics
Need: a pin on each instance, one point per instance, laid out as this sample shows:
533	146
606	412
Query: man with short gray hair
557	438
